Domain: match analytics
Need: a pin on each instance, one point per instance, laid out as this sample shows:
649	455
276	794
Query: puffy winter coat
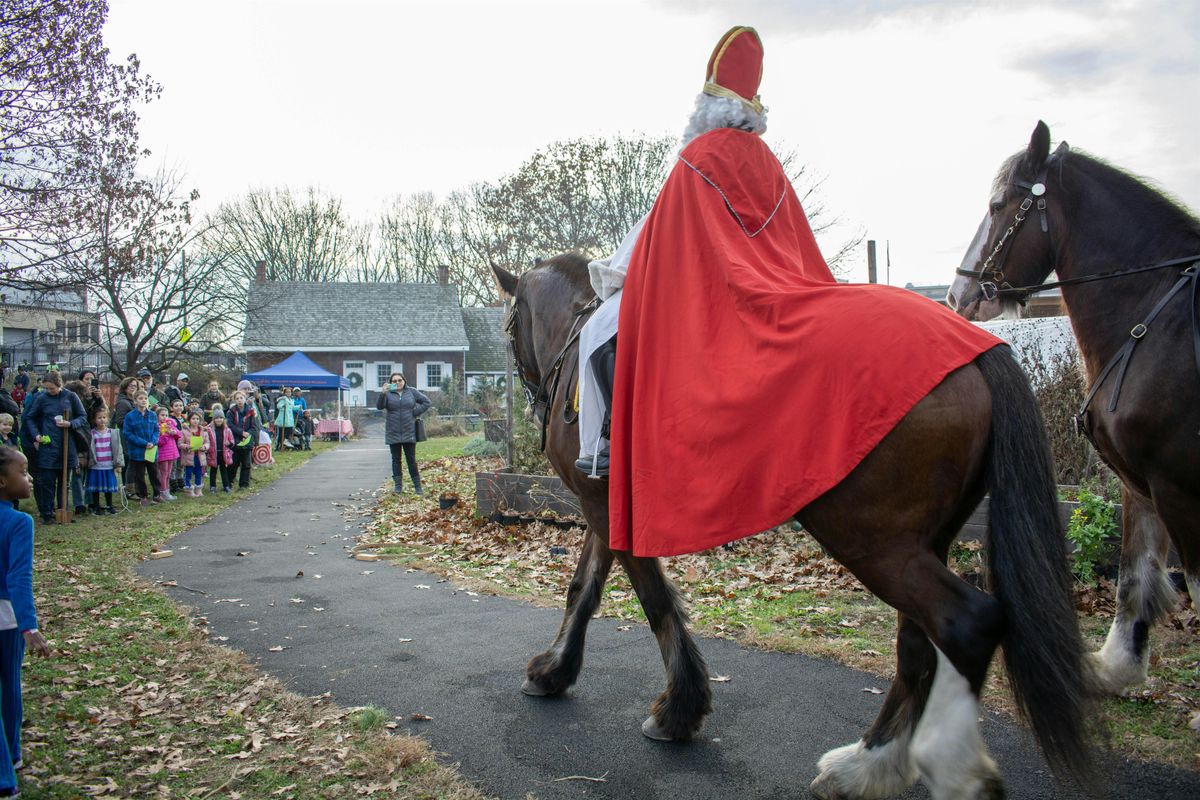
401	410
211	432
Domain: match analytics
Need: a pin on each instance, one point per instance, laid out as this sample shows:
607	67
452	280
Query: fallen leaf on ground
420	717
873	690
719	678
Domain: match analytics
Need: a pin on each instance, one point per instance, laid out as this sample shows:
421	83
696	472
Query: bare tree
410	238
301	237
152	281
68	130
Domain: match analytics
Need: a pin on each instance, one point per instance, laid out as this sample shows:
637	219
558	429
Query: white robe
608	280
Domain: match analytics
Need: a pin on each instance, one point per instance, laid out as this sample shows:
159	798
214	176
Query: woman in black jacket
401	405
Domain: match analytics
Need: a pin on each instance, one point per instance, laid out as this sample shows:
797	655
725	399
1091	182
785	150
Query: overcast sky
906	108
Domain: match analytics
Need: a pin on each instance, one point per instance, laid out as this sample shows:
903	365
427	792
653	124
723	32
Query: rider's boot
604	368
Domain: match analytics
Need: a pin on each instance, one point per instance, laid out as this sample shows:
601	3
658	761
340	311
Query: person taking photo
401	405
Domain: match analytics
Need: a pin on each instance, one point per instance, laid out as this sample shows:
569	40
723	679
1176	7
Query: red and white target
262	455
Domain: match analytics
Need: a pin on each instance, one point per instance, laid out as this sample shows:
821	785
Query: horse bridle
996	287
993	266
543	390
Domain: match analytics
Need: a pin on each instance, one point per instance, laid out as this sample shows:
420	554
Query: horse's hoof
652	730
534	689
825	787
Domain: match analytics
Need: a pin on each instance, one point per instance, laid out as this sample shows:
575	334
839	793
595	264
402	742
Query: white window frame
446	369
380	382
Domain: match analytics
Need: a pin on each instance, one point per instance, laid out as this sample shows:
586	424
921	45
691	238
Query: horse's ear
1039	146
506	281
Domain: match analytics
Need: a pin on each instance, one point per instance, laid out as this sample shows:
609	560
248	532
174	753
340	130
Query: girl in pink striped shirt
106	457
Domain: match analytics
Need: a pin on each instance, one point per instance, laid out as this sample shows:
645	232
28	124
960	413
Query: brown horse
891	523
1126	259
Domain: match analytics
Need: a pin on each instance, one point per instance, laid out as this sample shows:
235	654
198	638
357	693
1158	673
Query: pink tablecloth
332	426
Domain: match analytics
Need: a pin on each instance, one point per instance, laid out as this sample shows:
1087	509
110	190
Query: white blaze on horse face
971	261
947	748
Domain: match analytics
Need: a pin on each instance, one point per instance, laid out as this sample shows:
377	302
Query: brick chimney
260	272
443	275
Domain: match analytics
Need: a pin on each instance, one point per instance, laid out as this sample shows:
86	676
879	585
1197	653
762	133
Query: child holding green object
197	458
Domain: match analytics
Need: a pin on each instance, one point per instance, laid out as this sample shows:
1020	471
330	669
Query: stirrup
594	467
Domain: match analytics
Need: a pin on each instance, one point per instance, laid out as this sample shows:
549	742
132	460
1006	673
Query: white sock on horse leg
866	773
947	748
1143	592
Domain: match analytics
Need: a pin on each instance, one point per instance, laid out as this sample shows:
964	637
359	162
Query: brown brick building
362	331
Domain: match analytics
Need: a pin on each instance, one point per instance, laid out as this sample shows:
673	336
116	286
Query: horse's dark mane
573	267
1156	200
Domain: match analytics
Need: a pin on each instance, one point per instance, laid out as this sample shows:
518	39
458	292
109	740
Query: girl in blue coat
18	618
141	431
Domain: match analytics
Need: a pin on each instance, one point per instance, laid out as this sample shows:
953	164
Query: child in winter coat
197	455
184	456
219	448
169	437
105	458
18	617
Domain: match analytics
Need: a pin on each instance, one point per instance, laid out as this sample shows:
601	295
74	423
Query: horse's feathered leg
679	712
879	764
555	670
1144	595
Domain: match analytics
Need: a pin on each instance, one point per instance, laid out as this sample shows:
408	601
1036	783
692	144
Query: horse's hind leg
554	671
679	712
879	764
1144	594
964	626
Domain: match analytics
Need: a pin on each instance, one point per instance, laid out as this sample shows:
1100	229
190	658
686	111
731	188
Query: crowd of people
157	442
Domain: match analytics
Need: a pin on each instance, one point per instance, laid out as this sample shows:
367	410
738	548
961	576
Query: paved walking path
346	624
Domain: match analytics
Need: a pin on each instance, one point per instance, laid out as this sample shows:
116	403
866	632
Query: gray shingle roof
287	315
489	345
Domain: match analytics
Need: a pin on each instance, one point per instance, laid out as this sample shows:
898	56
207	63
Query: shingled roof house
366	331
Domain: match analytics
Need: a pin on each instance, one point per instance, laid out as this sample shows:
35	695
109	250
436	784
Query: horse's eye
996	207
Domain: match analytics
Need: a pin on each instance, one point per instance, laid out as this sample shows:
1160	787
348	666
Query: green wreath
355	380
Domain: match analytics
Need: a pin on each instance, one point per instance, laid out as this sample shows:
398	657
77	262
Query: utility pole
872	275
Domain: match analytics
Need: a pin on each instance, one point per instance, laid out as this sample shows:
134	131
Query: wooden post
872	273
64	514
508	396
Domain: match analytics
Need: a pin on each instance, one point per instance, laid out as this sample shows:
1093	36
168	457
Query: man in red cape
748	381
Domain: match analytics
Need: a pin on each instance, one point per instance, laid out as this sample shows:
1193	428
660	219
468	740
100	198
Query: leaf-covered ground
138	703
777	590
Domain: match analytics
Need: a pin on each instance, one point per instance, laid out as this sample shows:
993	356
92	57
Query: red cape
749	382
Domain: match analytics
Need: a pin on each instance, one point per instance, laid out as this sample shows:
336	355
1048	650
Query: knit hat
217	413
245	386
735	67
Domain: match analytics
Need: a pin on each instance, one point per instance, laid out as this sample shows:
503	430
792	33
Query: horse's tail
1029	574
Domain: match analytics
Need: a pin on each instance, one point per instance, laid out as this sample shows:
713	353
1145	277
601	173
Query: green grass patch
137	702
443	447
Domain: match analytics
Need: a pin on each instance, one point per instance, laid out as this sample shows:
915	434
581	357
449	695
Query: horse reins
544	390
997	287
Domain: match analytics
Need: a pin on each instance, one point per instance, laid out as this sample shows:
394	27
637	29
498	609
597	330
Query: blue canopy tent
299	370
